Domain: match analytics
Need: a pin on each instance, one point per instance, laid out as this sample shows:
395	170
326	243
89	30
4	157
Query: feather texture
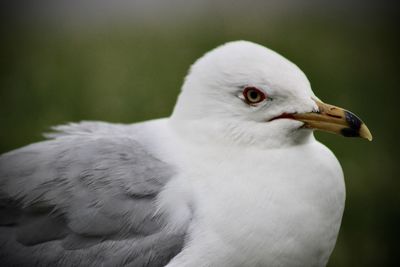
84	198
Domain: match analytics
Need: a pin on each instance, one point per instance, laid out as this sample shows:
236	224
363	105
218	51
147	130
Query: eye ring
253	95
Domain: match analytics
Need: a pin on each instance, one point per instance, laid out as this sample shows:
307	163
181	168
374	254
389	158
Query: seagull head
242	92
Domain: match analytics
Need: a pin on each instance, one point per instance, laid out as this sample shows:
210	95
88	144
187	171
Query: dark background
124	61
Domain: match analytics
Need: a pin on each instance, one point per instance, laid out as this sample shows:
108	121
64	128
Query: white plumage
219	183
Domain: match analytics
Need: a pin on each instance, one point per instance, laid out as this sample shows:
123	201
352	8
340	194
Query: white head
217	95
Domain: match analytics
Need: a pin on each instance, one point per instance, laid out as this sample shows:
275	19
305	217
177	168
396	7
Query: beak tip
365	133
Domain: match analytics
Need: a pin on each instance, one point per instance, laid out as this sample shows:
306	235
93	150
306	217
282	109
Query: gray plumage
85	198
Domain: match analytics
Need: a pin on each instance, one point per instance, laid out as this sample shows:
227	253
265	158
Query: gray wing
84	200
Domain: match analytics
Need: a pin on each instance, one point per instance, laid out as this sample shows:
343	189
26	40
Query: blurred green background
61	63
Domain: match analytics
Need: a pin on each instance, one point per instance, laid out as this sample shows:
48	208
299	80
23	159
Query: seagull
234	177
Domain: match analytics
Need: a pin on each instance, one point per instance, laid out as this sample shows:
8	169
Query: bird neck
208	132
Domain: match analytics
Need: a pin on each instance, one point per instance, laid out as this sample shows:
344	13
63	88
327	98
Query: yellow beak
335	120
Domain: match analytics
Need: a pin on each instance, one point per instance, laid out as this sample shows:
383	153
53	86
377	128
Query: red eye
253	95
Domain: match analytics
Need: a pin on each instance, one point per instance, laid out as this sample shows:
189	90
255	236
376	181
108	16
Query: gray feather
85	198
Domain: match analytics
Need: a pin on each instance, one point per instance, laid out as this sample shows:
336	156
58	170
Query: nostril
334	116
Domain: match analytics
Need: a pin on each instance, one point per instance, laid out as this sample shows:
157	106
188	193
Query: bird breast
280	207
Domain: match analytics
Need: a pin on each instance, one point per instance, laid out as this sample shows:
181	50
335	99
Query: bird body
268	222
234	177
258	219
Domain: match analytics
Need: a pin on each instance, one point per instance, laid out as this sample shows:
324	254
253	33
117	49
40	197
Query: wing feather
66	201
